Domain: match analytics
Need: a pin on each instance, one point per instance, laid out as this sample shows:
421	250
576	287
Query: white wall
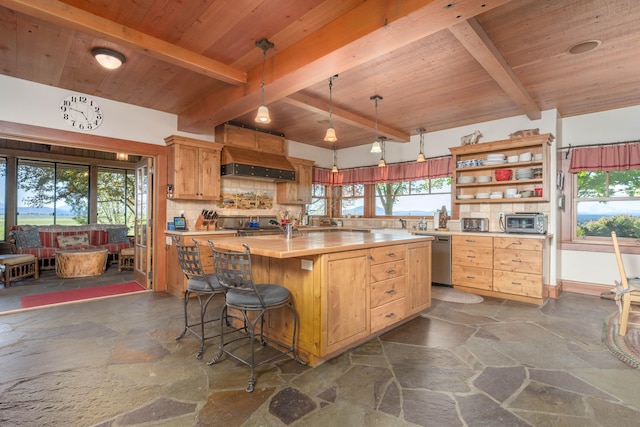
36	104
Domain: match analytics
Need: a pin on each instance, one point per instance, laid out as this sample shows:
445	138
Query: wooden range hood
237	162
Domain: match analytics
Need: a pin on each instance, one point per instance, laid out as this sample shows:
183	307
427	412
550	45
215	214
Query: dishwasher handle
443	238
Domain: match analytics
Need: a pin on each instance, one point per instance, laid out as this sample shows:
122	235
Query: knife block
206	224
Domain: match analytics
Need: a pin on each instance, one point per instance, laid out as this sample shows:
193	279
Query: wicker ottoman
125	259
17	266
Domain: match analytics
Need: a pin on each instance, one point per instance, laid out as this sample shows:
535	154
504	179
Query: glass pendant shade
421	158
376	147
334	169
263	114
330	136
382	163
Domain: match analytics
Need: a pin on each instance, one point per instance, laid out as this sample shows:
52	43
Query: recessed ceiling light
584	46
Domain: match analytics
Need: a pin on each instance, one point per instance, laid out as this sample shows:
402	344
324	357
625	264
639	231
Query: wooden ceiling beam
370	30
473	37
71	17
315	105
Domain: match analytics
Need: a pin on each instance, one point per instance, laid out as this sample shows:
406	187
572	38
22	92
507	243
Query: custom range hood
243	163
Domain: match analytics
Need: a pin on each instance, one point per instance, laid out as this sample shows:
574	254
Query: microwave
531	223
475	224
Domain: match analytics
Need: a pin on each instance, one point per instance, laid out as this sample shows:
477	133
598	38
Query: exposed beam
473	37
315	105
372	29
77	19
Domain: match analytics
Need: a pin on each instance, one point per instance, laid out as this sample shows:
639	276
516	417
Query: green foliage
623	225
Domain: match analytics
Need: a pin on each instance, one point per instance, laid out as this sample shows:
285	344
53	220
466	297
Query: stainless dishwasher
440	259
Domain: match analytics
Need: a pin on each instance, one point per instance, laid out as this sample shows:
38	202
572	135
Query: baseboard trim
553	291
585	288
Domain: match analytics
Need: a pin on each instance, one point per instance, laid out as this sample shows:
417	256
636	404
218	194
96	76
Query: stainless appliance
440	259
526	222
475	224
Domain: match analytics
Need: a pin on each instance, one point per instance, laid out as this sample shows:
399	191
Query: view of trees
388	194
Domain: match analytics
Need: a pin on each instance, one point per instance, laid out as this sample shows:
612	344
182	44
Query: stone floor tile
391	402
545	398
452	315
501	383
231	408
612	414
290	405
540	419
478	411
158	410
428	408
487	354
623	384
363	385
566	381
430	333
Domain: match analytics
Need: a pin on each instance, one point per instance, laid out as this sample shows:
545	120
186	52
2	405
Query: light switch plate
167	240
306	264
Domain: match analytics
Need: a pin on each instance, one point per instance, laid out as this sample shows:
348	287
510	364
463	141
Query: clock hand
81	112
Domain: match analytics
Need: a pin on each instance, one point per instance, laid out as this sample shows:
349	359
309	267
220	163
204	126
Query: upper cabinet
250	139
477	177
194	168
297	192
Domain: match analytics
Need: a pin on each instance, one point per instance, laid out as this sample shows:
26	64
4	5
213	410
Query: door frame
42	135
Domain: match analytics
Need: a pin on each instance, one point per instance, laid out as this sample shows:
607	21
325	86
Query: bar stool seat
18	266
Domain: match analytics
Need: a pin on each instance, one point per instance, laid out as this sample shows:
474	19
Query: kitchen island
347	287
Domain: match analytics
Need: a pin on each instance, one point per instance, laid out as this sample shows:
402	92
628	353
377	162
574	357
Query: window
52	193
352	200
319	201
412	198
116	201
605	202
3	196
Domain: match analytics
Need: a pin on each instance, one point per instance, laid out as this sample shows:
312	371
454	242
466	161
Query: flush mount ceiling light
421	157
122	156
382	163
108	58
334	169
263	111
583	47
376	147
330	136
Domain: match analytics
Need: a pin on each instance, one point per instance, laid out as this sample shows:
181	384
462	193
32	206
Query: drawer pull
471	277
391	291
369	257
516	283
391	271
471	256
470	241
390	315
391	254
516	260
516	243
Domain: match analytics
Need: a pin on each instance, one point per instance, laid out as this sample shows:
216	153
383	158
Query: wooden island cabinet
346	286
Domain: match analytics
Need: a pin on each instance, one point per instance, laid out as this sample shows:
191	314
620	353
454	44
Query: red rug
80	294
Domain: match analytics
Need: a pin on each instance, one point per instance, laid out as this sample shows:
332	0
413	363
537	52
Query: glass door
142	272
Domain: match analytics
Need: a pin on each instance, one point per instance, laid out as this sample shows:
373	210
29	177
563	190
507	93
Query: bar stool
204	286
243	295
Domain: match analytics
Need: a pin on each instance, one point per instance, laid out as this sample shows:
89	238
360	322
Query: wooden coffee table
81	263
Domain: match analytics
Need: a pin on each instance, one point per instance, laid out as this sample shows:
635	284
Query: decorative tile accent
246	200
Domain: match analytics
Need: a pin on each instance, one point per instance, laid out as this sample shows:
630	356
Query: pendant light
263	111
330	136
421	157
376	147
334	169
382	163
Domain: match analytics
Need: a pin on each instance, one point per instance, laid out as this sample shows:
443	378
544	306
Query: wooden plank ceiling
436	64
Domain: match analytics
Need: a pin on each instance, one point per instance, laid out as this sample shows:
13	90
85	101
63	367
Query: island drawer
387	314
388	270
388	253
386	291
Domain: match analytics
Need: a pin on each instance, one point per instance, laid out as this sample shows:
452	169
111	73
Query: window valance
433	168
611	157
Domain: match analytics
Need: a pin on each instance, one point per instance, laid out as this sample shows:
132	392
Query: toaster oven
529	223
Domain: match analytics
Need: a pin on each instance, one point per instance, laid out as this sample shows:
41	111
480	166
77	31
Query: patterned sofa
44	241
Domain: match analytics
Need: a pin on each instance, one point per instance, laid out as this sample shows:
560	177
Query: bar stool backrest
189	259
234	270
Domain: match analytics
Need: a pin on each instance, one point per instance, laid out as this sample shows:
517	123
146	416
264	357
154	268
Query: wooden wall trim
41	135
585	288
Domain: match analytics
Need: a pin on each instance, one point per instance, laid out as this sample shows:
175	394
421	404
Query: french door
143	270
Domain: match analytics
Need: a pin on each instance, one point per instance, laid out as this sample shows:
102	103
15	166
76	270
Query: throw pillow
117	235
73	241
29	238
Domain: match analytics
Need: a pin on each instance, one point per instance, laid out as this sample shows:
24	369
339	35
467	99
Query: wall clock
81	112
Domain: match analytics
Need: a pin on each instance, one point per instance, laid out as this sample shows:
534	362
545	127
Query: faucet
286	229
403	222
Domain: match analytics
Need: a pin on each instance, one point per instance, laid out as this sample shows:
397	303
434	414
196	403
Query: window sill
596	246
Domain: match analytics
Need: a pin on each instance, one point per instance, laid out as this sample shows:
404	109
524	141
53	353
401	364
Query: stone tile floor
115	363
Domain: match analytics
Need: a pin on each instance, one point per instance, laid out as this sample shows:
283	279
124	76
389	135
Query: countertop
276	246
196	233
486	234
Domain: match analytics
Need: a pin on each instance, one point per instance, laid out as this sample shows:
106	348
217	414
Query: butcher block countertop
313	244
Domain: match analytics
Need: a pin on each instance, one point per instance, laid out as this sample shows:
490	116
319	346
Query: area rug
30	301
445	293
626	348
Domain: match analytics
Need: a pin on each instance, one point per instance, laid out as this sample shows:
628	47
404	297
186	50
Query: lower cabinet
503	267
388	282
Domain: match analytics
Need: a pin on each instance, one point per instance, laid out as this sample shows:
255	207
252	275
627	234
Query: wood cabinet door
185	173
299	191
347	299
209	174
418	281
